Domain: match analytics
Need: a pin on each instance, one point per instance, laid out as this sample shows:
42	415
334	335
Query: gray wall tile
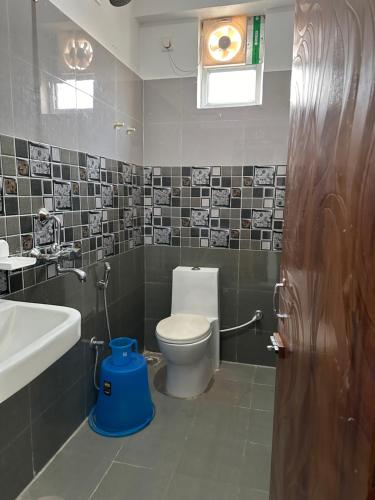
163	100
14	417
177	133
6	112
16	466
225	260
53	427
160	262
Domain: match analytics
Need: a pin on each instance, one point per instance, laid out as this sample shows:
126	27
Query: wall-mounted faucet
81	275
58	254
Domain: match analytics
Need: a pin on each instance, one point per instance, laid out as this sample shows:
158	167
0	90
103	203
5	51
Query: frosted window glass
231	87
67	98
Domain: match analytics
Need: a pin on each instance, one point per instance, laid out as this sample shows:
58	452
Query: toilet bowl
189	338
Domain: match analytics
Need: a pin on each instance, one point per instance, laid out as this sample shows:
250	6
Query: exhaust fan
119	3
224	41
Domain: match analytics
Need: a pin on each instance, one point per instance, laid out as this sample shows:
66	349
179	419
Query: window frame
203	80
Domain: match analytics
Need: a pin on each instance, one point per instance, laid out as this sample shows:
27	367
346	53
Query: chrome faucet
81	275
58	254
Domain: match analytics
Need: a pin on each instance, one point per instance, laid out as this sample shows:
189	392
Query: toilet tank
196	291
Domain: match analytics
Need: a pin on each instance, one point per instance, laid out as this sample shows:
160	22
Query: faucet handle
36	253
69	252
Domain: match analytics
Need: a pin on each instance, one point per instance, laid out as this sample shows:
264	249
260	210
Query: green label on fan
257	20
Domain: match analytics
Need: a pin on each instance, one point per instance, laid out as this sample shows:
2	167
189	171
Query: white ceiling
168	10
121	29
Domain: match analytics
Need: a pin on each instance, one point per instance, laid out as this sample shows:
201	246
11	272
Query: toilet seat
183	329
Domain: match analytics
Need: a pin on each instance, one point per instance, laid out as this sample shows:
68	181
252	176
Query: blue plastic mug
122	350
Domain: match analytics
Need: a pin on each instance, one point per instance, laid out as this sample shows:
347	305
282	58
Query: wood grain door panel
325	392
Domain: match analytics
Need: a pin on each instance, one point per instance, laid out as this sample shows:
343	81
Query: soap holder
12	263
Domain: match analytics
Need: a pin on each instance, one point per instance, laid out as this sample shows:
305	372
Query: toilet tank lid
183	328
213	270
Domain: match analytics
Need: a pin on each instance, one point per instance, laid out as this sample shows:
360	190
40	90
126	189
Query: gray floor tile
220	421
265	375
236	372
212	459
176	415
262	397
154	448
229	392
251	494
70	476
214	447
124	482
260	427
88	441
255	472
185	487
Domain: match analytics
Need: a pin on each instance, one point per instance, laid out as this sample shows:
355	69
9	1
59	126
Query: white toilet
189	338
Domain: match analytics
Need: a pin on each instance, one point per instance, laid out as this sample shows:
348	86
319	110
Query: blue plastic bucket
124	404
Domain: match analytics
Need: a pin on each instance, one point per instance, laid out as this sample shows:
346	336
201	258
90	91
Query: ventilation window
67	97
231	69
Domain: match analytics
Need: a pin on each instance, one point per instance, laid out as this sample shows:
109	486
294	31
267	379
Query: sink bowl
32	338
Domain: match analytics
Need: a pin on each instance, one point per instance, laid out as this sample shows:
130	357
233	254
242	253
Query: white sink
32	338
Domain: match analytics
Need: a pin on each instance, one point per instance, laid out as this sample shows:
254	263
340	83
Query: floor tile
260	427
251	494
216	446
124	482
185	487
212	459
236	371
265	375
154	448
89	442
229	392
255	471
70	476
220	421
173	414
262	397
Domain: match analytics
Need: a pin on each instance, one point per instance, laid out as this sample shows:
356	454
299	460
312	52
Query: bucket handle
134	345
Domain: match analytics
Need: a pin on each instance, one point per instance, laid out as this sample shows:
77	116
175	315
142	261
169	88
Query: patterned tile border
109	207
218	207
99	201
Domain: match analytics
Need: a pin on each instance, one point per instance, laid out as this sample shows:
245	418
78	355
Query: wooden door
323	445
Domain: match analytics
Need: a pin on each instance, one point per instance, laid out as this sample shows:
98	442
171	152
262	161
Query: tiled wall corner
98	200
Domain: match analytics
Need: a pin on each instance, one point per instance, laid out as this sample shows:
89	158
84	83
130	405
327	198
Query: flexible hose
104	285
257	316
96	367
106	314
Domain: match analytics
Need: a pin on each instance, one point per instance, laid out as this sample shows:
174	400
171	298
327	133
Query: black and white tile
200	176
218	207
62	192
86	191
162	235
219	238
93	168
162	196
200	217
